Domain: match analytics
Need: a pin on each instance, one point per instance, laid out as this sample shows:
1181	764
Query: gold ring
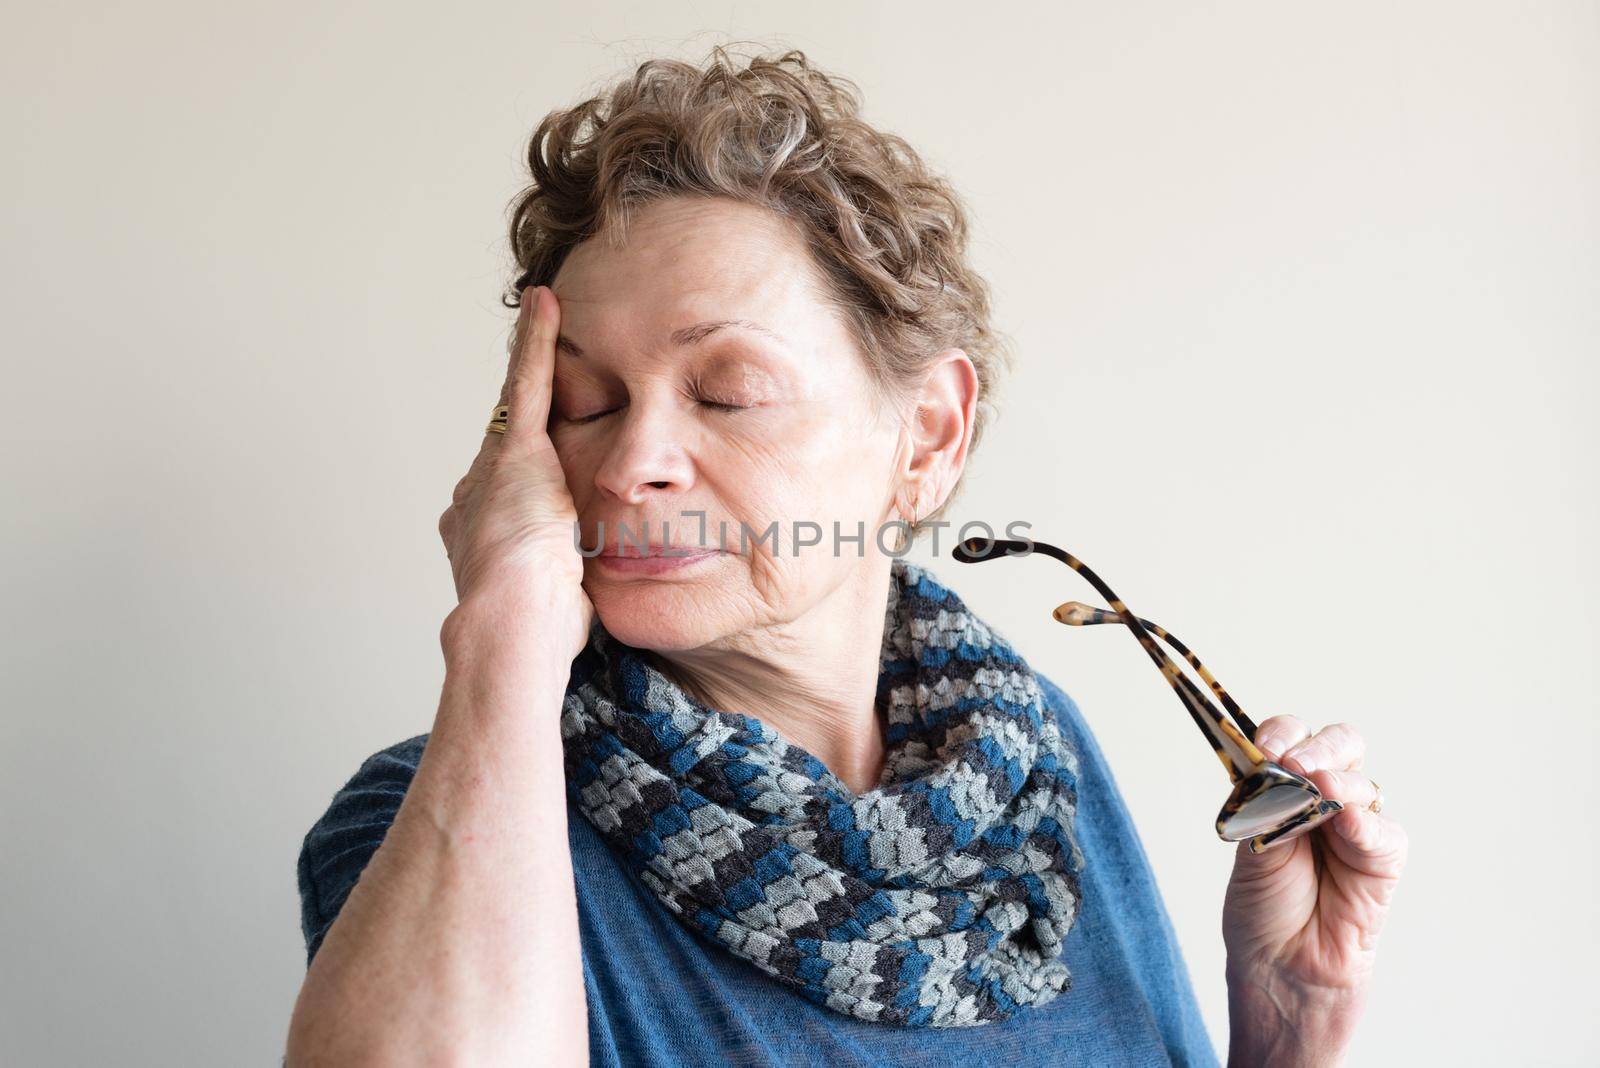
1377	802
497	421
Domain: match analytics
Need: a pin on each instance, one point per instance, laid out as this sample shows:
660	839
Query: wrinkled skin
741	426
758	429
1301	920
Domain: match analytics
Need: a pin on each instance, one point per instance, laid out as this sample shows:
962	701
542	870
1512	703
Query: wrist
495	750
1275	1020
535	624
508	660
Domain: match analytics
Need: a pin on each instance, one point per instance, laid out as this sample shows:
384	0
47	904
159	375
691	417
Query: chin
661	616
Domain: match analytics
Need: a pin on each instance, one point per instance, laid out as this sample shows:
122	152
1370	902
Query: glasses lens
1270	800
1269	809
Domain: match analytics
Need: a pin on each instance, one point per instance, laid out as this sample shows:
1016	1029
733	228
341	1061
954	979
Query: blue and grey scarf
941	898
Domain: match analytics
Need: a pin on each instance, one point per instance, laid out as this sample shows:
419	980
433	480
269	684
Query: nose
645	458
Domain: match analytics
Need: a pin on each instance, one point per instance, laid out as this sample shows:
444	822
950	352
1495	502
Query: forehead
689	259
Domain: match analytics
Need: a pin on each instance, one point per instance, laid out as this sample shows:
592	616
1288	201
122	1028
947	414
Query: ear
939	433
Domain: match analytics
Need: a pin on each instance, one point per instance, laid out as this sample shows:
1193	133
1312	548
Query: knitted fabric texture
940	898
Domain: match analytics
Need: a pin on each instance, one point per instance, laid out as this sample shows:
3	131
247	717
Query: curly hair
887	234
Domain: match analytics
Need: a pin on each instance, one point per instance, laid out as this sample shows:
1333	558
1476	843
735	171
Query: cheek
811	467
751	476
580	459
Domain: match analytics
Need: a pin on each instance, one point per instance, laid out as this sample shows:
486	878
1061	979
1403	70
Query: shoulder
1076	730
1060	701
1122	900
377	786
1103	824
341	841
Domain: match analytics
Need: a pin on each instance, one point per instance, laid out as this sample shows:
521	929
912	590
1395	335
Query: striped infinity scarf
941	898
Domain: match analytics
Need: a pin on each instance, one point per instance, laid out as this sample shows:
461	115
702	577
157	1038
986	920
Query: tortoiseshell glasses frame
1269	803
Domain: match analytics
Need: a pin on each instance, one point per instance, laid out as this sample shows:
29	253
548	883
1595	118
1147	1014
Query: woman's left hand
1301	919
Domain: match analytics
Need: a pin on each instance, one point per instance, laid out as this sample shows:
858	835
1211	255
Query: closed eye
716	406
580	419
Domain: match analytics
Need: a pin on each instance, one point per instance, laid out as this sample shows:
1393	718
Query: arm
459	943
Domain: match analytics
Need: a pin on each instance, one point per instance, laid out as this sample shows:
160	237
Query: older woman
706	789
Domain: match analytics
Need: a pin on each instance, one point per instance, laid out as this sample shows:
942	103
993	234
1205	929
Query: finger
513	349
535	364
470	481
525	307
1249	865
464	487
1351	787
1336	747
1369	842
1277	734
489	445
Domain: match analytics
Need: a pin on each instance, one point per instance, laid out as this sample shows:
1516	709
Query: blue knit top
661	994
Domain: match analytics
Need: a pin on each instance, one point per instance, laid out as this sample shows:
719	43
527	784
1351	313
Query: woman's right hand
509	530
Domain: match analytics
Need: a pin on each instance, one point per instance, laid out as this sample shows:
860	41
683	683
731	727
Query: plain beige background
1305	297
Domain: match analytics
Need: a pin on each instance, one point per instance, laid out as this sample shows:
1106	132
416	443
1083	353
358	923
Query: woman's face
770	419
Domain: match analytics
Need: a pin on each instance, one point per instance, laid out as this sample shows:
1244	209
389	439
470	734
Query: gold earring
909	530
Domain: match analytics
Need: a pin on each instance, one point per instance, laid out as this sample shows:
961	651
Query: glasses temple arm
1078	614
1237	753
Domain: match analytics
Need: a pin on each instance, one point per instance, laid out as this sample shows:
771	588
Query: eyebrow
688	335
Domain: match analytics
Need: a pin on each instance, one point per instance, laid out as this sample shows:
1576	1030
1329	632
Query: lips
636	552
656	562
619	539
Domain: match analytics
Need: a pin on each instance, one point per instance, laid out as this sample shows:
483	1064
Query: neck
813	680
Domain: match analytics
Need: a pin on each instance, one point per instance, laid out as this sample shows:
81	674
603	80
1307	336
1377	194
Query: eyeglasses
1269	803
